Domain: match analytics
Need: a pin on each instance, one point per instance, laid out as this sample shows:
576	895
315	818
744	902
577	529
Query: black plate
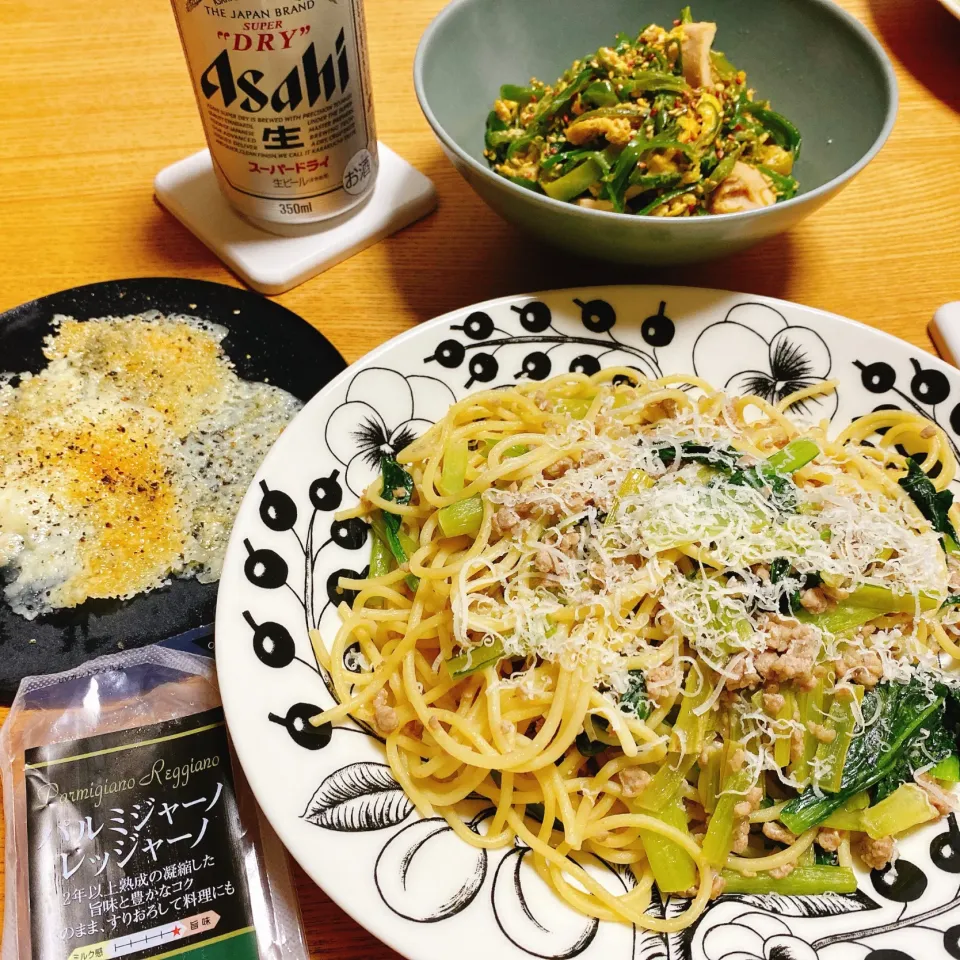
266	343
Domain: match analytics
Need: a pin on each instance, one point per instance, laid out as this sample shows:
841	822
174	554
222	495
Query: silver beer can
284	96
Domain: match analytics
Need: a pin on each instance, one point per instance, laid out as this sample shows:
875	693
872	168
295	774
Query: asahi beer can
284	96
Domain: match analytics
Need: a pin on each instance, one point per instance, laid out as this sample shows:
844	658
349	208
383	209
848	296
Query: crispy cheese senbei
122	463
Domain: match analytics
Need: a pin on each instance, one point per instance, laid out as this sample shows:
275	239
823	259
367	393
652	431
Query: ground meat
735	760
835	593
829	839
741	673
741	835
569	543
875	854
778	873
662	682
384	716
717	886
590	457
792	653
822	733
778	631
778	833
544	561
633	781
750	804
859	666
577	502
540	399
504	520
773	703
928	432
707	751
814	600
941	800
558	468
796	744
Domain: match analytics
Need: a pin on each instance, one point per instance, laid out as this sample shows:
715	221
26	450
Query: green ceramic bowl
817	64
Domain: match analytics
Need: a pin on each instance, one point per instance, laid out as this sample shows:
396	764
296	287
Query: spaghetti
654	625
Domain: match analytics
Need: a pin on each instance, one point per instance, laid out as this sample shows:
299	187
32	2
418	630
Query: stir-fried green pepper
576	182
780	128
658	128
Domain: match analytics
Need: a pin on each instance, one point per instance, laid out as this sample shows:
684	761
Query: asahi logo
306	80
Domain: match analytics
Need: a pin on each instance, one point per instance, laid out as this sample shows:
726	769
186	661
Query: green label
134	846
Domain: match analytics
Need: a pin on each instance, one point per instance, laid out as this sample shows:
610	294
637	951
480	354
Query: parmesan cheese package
130	831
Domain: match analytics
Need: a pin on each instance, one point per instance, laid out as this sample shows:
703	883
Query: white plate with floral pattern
329	794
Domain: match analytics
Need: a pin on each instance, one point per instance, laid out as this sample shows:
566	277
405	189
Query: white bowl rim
232	695
893	97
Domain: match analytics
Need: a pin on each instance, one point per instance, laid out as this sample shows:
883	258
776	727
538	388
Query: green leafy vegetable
826	858
398	488
773	473
589	747
936	743
933	504
635	701
721	458
901	716
779	569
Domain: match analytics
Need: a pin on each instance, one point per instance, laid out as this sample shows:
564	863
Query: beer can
284	96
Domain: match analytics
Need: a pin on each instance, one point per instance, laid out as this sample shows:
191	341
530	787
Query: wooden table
95	100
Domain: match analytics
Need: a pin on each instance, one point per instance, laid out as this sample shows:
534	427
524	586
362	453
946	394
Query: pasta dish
679	631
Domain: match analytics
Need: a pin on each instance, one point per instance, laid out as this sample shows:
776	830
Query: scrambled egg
124	461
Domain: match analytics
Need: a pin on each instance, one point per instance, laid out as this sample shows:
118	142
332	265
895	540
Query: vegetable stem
475	659
462	518
673	868
804	881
